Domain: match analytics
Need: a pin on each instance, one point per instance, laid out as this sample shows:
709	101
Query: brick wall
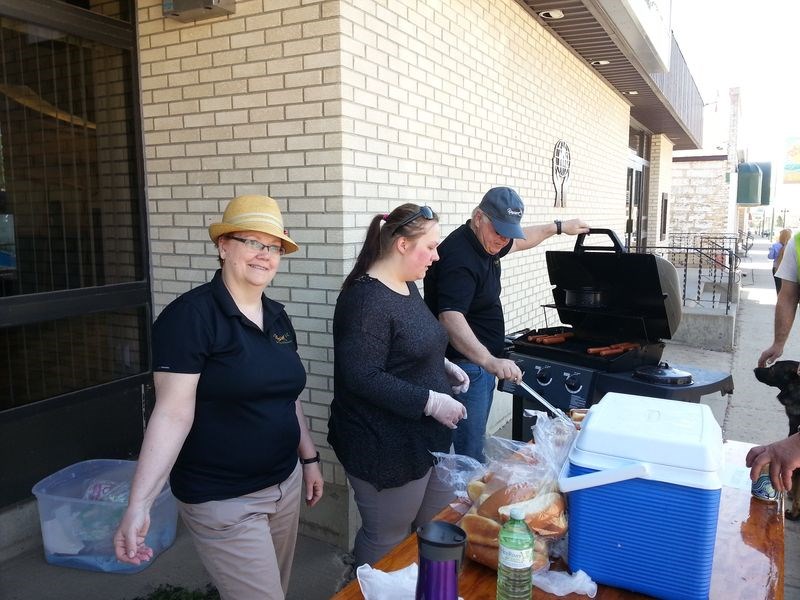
699	200
660	180
340	110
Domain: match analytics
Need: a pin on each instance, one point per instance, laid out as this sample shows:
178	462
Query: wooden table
748	556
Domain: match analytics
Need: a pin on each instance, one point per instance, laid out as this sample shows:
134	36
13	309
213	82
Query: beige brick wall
660	183
343	109
699	200
249	104
445	103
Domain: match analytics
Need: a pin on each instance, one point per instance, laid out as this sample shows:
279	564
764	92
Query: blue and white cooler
643	488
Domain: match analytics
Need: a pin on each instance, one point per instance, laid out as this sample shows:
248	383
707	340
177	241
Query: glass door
633	194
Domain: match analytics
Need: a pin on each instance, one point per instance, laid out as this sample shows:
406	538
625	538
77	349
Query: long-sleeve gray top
389	352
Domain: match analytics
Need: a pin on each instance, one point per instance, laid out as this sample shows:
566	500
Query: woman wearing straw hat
392	384
228	427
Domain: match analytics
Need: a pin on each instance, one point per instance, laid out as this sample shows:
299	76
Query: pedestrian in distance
776	254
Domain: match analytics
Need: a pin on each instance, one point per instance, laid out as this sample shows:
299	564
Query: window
67	190
74	287
74	297
119	9
51	358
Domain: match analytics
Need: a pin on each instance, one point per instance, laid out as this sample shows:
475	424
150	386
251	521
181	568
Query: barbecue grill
616	308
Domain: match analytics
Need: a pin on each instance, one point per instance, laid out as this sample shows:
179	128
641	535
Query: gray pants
247	543
389	515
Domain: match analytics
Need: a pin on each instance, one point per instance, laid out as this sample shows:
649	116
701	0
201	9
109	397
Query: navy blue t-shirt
245	432
466	279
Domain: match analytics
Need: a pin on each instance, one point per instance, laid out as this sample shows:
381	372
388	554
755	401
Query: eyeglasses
257	246
424	211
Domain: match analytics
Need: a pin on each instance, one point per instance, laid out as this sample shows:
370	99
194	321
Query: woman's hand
459	380
445	409
129	545
313	482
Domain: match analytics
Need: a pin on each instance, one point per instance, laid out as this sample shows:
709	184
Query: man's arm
536	234
785	310
463	339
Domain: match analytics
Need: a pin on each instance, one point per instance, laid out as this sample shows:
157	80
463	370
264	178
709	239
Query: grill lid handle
616	247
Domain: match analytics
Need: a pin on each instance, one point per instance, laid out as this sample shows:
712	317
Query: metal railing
707	265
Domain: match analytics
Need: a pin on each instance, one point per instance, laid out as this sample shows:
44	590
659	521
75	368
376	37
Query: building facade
339	110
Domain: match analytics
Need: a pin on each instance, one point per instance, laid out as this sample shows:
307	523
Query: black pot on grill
587	297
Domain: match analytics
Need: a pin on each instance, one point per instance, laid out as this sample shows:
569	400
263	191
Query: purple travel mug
441	550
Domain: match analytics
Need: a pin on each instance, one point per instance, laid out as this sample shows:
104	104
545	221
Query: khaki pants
247	543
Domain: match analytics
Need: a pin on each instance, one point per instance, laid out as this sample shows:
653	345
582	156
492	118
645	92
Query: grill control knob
543	376
573	384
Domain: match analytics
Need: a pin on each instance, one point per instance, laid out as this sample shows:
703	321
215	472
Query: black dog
783	375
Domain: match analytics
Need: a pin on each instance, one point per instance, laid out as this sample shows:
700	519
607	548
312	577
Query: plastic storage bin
80	507
643	488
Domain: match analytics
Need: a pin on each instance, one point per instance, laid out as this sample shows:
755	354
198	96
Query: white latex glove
459	380
445	409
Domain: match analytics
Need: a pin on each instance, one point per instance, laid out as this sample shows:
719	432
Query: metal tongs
553	409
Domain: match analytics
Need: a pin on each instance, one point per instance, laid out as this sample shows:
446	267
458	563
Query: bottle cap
517	513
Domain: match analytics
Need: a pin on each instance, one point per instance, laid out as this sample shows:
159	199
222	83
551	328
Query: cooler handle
598	478
615	241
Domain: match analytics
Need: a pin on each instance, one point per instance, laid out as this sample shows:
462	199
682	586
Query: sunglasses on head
424	211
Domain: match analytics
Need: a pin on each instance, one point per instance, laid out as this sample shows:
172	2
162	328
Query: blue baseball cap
504	208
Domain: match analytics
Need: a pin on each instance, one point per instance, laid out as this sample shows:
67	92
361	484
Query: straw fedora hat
253	213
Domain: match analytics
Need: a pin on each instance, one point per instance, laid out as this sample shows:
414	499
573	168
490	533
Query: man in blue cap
463	290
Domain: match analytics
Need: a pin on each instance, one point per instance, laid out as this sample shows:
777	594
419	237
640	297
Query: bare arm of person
169	425
536	234
463	339
312	472
785	310
783	457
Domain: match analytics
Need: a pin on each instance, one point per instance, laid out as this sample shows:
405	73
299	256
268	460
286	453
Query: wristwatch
308	461
558	226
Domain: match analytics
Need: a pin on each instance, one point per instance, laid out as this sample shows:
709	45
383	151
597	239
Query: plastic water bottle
515	559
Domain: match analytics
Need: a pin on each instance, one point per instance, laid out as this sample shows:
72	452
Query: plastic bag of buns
520	475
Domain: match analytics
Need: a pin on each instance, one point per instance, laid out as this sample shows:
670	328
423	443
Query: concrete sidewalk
751	414
319	568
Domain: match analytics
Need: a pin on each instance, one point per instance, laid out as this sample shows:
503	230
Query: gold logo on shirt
283	338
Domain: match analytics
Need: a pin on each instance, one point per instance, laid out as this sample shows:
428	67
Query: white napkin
395	585
562	583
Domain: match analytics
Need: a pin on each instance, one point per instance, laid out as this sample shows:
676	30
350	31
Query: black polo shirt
245	432
466	279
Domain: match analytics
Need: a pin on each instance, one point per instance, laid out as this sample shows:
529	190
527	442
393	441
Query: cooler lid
644	294
669	433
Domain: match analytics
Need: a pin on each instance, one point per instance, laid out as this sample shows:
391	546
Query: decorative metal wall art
562	161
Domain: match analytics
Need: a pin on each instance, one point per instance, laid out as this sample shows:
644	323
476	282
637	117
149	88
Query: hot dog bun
481	530
487	555
511	494
475	489
544	514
